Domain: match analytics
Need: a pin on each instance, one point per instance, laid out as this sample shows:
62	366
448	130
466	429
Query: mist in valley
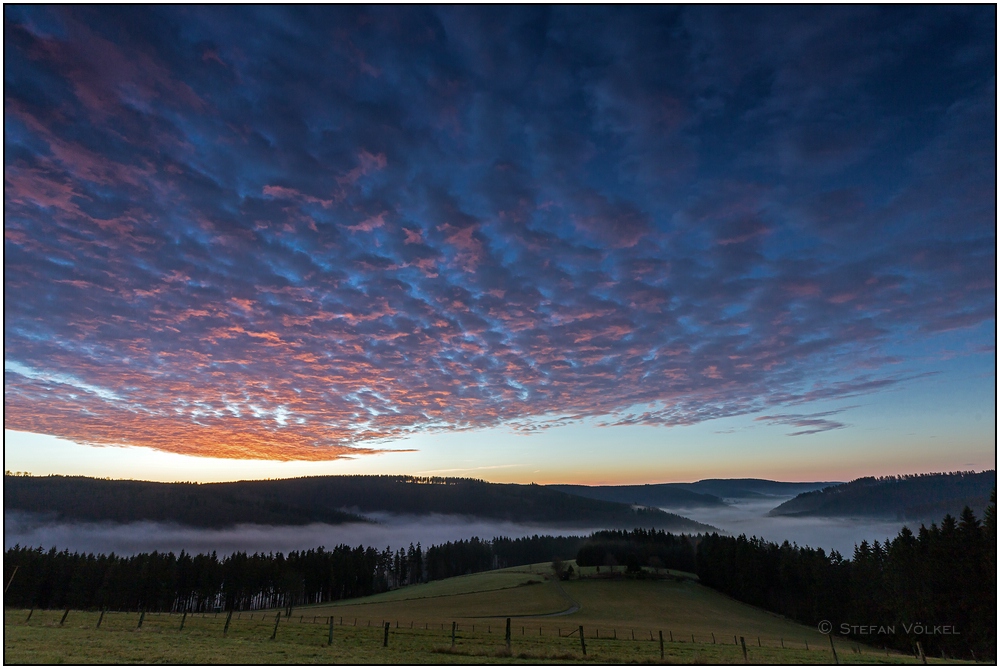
399	531
749	516
394	531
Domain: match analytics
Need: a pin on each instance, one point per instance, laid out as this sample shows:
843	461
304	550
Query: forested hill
657	494
197	505
328	499
912	497
752	488
704	493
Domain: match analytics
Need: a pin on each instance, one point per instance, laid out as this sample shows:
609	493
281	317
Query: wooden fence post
142	616
183	618
758	643
833	649
453	625
11	579
920	649
583	643
29	616
385	639
277	619
63	618
507	634
713	637
101	618
661	644
743	644
229	618
329	636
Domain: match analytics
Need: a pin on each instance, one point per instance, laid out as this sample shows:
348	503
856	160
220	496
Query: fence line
463	631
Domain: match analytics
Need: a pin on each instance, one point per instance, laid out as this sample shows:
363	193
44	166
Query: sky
550	244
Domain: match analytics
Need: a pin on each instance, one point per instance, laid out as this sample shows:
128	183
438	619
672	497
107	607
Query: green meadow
622	621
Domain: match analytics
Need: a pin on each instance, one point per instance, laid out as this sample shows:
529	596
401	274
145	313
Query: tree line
937	586
469	556
638	548
169	582
240	581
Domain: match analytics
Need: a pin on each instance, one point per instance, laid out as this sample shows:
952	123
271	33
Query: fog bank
750	517
394	531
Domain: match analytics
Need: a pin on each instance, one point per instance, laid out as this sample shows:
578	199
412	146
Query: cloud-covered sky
312	233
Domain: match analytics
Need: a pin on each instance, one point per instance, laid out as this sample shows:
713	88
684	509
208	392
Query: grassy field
622	621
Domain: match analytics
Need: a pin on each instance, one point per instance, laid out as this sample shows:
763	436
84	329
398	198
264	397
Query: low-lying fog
396	531
750	517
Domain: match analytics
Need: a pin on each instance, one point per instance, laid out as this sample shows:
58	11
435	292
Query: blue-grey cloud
810	423
291	232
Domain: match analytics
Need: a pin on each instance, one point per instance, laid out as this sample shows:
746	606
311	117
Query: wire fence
495	636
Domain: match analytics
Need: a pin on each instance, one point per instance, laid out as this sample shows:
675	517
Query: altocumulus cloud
809	423
300	233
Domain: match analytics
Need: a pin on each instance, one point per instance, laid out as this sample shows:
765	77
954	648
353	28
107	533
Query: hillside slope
327	499
916	497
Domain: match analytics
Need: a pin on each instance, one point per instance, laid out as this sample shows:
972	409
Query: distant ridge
321	499
915	497
750	488
700	494
668	495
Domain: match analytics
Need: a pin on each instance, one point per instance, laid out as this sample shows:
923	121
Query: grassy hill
622	620
327	499
920	497
678	604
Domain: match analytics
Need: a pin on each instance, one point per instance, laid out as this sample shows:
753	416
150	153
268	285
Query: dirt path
572	609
